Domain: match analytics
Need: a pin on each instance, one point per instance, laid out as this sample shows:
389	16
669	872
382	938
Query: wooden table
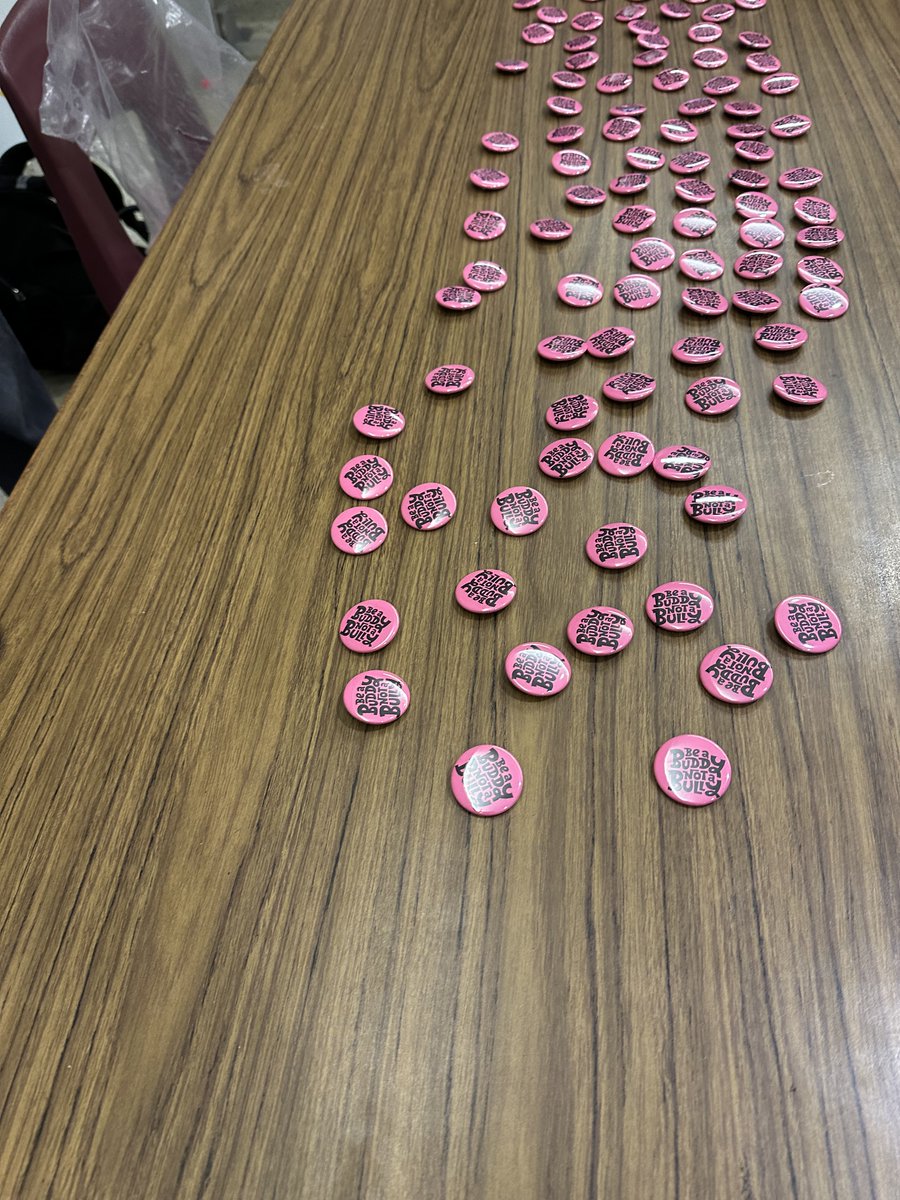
251	948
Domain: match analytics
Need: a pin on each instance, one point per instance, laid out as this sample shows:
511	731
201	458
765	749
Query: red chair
110	259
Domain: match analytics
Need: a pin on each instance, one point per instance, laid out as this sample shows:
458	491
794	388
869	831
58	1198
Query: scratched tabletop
252	948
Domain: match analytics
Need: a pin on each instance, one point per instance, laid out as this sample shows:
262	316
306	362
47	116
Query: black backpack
45	293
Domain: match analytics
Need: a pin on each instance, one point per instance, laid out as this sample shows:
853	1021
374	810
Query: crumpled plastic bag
141	86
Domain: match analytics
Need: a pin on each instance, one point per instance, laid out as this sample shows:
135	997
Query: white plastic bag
141	86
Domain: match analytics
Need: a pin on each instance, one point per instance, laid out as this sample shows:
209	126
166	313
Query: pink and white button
736	673
755	204
550	229
713	395
585	196
695	222
369	626
587	21
782	337
376	697
489	179
756	300
819	237
678	129
808	624
621	129
681	462
715	505
563	135
801	179
652	254
694	190
679	607
629	184
600	631
484	275
813	211
566	458
366	476
537	669
706	302
486	780
746	177
790	125
761	233
572	412
511	66
689	162
625	454
457	298
486	591
701	264
484	225
611	342
568	79
561	347
824	301
379	421
358	530
799	389
449	379
634	218
816	269
581	291
537	33
629	387
698	349
519	511
571	162
616	546
699	106
637	291
564	106
645	158
758	264
671	80
500	142
428	506
615	81
692	770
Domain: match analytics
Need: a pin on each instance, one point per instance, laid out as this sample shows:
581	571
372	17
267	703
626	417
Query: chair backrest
110	258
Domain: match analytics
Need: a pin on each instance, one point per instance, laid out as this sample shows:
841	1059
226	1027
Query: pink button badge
611	342
449	379
500	142
570	162
489	179
376	697
484	225
572	412
616	546
358	530
629	387
484	275
713	395
698	349
566	458
736	673
679	607
366	476
428	506
692	770
600	631
799	389
681	463
537	669
457	298
486	780
715	505
369	626
379	421
519	511
580	291
625	454
486	591
808	624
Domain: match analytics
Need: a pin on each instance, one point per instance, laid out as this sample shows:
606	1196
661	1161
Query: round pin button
587	21
358	530
379	421
761	233
486	591
625	454
484	275
485	225
695	222
808	624
746	177
519	511
780	85
456	298
762	63
428	506
689	162
679	607
616	546
715	505
511	66
583	60
721	85
561	347
566	458
813	211
449	379
800	179
611	342
551	229
697	349
538	33
570	162
758	264
710	60
754	151
369	626
681	463
537	669
790	125
637	291
581	41
627	110
799	389
755	204
486	780
653	41
736	673
713	395
621	129
525	4
824	300
745	129
615	81
652	254
569	413
692	770
645	158
743	108
564	106
634	218
677	10
366	477
701	264
695	191
376	697
814	269
819	237
642	26
718	12
705	31
600	631
704	301
753	40
671	80
500	142
571	80
781	337
649	58
552	15
755	300
678	130
489	179
629	184
629	387
585	196
631	12
562	135
581	291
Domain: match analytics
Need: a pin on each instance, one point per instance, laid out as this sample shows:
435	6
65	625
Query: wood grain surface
249	948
